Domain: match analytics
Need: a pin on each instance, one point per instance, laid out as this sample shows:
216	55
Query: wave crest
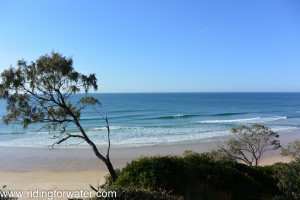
245	120
175	116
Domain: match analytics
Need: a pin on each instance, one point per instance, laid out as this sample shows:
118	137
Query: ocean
140	119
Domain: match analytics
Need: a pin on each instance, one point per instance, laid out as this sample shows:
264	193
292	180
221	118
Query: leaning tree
248	144
43	92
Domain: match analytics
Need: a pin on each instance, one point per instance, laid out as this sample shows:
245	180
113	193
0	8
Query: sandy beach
28	168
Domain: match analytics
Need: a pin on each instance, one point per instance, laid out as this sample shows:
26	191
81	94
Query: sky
162	45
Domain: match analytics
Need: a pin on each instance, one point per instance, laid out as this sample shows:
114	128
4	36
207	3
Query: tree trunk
106	159
111	169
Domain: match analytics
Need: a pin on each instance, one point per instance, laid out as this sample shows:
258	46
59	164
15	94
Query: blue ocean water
152	118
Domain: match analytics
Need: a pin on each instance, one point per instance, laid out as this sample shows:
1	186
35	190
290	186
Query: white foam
38	132
105	129
143	135
245	120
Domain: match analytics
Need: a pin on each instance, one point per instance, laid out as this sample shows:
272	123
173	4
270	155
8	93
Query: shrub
152	173
287	176
197	176
231	178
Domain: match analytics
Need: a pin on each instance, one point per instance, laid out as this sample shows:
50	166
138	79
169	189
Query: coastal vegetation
226	173
249	143
292	150
204	176
195	176
41	92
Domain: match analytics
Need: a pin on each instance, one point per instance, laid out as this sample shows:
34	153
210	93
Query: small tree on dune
250	143
41	92
292	150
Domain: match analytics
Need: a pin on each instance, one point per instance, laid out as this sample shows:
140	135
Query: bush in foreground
288	179
197	176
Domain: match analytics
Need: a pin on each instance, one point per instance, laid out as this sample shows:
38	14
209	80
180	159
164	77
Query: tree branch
66	138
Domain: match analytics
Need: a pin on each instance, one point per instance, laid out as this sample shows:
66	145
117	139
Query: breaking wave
175	116
245	120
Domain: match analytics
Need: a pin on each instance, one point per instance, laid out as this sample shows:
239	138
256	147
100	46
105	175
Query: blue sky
162	45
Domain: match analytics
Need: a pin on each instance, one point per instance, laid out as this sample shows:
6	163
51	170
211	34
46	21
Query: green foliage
41	91
153	173
197	176
287	176
250	143
292	150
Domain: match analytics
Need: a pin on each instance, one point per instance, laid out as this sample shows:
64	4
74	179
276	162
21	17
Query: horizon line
97	92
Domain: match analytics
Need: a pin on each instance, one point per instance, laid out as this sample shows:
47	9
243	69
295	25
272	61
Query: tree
41	92
250	143
292	150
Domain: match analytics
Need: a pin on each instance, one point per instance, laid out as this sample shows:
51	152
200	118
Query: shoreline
71	158
118	146
30	168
